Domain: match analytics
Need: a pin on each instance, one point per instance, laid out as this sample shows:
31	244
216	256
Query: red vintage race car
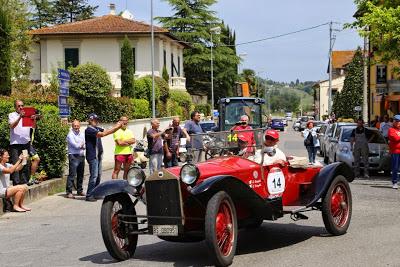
211	200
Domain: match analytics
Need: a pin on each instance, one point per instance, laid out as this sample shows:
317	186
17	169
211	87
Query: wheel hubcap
224	228
120	238
339	205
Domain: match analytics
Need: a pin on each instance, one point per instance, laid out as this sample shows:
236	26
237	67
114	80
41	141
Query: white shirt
385	126
268	160
19	135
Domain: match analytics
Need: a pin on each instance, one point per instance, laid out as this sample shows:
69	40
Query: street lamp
153	100
215	30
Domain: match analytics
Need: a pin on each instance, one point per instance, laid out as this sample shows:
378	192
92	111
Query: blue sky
303	55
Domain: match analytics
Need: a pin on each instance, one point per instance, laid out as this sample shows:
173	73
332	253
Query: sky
302	56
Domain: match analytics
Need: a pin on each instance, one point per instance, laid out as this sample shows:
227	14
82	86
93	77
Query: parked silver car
330	134
323	137
379	157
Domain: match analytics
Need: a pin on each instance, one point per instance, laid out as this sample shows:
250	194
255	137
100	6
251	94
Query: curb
39	191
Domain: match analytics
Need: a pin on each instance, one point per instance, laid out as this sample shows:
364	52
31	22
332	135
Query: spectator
76	159
394	147
192	127
94	151
19	141
155	146
124	140
375	123
6	189
172	143
385	126
311	141
360	137
35	159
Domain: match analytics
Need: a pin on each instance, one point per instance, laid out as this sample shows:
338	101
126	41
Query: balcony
177	83
393	86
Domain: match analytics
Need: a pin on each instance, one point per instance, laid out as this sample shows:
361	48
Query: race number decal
275	181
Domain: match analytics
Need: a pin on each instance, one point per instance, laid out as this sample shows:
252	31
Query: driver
272	154
245	150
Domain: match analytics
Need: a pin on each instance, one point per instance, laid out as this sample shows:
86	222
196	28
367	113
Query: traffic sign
64	111
63	74
215	113
357	108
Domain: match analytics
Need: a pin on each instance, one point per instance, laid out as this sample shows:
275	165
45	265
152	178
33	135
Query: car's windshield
236	108
207	126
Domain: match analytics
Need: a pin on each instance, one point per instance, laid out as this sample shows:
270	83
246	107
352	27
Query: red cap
272	133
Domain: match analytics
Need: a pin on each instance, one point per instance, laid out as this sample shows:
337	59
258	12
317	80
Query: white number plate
276	181
165	230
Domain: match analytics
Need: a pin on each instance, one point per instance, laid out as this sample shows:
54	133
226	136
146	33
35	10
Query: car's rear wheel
221	228
119	243
337	206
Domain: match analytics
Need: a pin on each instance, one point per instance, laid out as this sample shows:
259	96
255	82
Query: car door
335	144
329	142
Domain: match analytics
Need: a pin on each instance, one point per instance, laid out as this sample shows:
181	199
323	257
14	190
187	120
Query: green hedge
144	90
203	108
50	136
184	102
141	109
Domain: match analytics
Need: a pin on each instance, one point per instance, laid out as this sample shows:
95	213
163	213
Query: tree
165	74
42	13
249	76
20	40
380	21
127	69
351	95
72	10
191	22
5	50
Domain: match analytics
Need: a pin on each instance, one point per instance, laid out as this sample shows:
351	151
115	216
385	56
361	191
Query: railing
393	86
177	83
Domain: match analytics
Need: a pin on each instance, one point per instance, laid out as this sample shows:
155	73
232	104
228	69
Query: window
71	56
172	65
165	58
179	66
134	58
381	74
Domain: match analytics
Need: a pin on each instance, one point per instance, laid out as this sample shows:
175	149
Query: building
340	59
98	40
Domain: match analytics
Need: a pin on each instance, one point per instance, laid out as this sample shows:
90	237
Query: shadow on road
270	236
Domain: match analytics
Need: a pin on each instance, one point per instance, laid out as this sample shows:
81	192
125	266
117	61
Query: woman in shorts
6	189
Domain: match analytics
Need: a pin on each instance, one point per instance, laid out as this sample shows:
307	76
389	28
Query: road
64	232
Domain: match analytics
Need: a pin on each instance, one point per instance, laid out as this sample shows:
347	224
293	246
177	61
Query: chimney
112	8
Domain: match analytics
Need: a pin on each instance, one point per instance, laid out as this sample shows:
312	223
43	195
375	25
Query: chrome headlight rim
137	179
192	179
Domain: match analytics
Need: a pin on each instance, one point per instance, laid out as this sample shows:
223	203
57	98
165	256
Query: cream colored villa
99	40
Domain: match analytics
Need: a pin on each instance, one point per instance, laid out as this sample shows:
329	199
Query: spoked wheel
119	243
337	206
221	228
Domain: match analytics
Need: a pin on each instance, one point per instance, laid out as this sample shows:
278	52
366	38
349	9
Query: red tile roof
108	24
342	58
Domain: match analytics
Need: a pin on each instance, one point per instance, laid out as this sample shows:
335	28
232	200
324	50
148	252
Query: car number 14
275	181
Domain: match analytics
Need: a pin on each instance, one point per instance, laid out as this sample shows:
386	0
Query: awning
392	98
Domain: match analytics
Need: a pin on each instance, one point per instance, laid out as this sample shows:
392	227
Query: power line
280	35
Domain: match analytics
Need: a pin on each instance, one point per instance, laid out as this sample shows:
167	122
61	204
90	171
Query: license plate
165	230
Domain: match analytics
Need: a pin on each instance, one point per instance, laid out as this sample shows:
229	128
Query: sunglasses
20	106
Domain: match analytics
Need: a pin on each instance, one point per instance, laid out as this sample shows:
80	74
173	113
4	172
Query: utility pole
330	68
365	87
153	91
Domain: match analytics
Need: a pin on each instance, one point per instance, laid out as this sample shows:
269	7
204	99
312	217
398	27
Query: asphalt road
64	232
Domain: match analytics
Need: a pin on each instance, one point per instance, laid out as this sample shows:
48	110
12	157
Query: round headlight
135	177
189	174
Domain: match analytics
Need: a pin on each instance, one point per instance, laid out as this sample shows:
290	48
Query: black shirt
93	143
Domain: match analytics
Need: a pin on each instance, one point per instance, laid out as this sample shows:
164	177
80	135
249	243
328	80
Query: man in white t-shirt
19	141
272	154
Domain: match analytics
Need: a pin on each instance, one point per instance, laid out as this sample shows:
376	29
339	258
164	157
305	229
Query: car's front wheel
119	242
221	228
337	206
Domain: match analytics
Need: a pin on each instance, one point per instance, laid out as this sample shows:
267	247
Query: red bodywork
297	180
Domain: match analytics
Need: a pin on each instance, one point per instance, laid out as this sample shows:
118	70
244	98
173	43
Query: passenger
272	154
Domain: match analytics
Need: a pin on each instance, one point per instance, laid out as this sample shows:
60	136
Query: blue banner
64	110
